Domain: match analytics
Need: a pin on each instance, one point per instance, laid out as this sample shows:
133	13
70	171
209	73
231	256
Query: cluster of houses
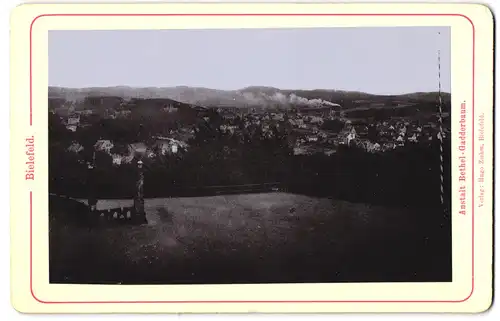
159	146
304	127
308	135
74	119
391	134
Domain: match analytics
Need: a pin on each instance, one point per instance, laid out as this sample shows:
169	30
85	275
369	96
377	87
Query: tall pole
139	197
440	134
92	200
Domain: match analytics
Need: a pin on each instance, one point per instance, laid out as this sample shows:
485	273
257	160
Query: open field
256	238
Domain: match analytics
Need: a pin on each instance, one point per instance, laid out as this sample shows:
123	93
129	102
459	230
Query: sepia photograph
249	156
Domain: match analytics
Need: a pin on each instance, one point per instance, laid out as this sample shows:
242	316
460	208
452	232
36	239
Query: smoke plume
280	99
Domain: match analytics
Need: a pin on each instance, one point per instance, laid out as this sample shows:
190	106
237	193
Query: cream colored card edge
24	295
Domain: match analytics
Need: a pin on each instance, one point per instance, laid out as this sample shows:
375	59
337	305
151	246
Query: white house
167	145
373	147
137	149
170	109
351	136
75	148
104	145
400	140
73	122
312	138
413	138
117	159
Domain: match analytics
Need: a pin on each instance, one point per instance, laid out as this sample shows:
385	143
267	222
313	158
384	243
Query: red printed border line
258	15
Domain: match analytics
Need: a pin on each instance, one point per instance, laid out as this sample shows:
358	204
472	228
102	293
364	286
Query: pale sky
390	60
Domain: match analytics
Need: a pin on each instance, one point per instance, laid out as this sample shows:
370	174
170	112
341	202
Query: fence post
139	197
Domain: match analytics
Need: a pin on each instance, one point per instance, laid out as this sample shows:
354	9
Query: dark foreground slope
258	238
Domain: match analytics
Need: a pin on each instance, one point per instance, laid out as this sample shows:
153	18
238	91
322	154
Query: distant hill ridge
252	96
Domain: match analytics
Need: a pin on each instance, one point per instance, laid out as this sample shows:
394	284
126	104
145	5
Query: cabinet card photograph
252	158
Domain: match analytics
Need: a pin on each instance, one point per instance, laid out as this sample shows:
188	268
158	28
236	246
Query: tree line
406	176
